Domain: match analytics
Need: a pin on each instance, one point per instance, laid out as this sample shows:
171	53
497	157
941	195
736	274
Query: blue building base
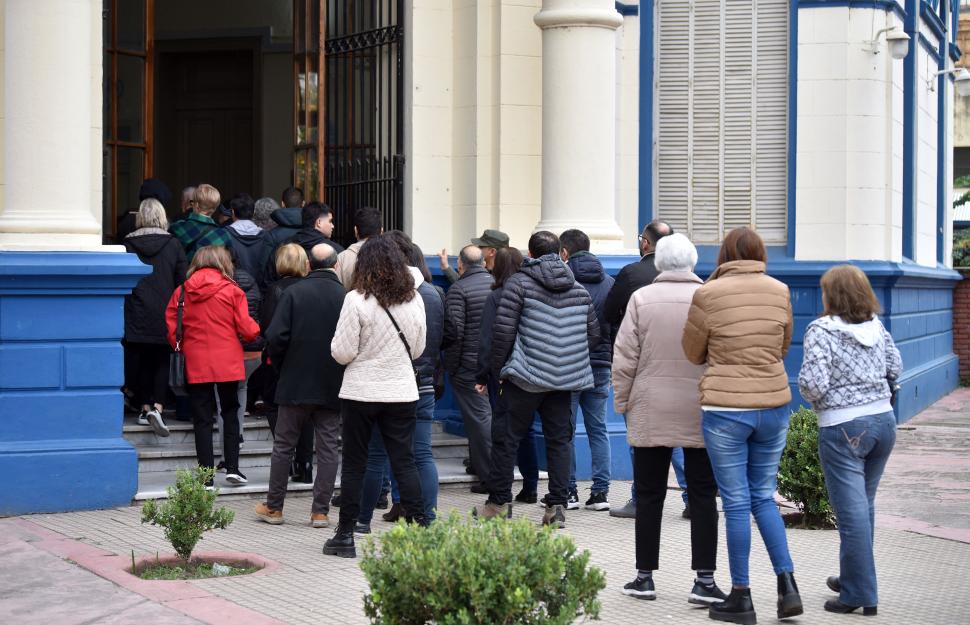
917	305
61	370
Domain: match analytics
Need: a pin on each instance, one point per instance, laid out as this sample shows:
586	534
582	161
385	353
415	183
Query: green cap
492	238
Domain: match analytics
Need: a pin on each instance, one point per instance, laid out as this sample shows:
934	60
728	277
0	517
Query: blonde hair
151	214
211	257
291	260
207	199
848	294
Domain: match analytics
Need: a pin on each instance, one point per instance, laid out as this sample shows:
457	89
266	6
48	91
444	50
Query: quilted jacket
846	366
544	328
464	304
740	324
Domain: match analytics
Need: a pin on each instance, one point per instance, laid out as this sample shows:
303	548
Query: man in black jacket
245	237
463	317
632	277
635	275
317	227
298	345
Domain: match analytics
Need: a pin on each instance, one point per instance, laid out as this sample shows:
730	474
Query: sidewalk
923	545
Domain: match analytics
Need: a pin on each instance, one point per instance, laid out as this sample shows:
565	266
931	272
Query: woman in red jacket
214	319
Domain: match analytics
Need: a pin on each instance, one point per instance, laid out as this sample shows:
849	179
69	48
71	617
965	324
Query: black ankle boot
834	605
737	608
342	543
789	601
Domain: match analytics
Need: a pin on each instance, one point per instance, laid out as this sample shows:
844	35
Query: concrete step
152	485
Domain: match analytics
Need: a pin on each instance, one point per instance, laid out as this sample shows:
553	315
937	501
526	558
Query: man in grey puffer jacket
544	330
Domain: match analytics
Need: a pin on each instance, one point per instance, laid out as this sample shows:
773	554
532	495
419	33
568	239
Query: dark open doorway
207	110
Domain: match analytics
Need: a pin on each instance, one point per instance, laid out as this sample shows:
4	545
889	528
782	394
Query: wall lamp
961	80
898	42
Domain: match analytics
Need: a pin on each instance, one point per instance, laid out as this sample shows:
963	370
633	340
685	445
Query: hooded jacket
246	240
288	223
544	329
589	272
298	341
740	324
846	367
215	318
464	304
145	307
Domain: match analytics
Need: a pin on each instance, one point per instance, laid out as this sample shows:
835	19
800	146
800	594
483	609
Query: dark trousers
203	401
325	425
148	372
476	413
651	467
396	422
518	411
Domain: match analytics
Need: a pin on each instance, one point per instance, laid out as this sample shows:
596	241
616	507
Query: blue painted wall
61	370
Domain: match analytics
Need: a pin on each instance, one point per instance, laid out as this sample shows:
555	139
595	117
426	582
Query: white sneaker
143	418
155	420
236	478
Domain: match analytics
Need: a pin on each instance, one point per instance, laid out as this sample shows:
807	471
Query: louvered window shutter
722	116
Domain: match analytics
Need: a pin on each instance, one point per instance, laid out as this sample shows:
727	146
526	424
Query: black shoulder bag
176	362
407	347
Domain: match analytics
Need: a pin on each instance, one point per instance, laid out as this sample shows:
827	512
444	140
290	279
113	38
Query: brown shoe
492	510
554	516
396	512
273	517
319	520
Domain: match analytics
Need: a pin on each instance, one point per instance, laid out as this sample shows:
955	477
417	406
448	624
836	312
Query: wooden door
207	117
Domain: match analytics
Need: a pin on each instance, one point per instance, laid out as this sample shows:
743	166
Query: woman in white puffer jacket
380	333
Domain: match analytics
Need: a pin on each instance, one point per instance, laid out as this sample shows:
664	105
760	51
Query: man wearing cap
490	242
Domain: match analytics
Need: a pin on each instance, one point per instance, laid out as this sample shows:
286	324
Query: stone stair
159	458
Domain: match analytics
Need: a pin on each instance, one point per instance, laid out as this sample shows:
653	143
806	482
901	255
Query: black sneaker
705	595
597	501
236	478
573	502
335	501
640	589
210	484
527	496
362	528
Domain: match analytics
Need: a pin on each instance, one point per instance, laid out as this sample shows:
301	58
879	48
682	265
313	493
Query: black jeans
203	418
515	418
148	372
396	422
651	467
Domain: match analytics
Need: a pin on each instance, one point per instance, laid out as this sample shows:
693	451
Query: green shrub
493	572
800	477
961	248
189	511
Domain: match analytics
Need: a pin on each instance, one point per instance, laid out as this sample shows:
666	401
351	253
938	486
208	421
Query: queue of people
357	342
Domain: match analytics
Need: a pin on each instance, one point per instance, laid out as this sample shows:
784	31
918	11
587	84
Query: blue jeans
745	448
593	404
378	466
854	455
677	459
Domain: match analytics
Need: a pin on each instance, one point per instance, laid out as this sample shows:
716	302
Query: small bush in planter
800	477
189	512
495	572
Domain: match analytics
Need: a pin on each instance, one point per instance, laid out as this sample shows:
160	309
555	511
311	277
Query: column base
61	372
604	235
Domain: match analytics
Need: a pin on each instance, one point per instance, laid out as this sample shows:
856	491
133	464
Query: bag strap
178	322
407	346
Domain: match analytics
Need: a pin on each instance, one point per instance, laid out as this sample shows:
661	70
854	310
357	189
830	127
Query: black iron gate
364	108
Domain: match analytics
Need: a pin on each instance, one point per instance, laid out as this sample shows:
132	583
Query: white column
579	119
47	119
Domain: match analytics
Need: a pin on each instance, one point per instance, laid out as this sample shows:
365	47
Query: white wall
628	130
927	103
849	174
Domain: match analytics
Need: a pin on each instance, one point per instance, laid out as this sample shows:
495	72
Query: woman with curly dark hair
381	331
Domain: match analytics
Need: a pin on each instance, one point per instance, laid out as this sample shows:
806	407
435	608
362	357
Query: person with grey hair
657	388
464	304
264	211
146	343
298	345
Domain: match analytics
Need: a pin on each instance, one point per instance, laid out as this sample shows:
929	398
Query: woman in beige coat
657	388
